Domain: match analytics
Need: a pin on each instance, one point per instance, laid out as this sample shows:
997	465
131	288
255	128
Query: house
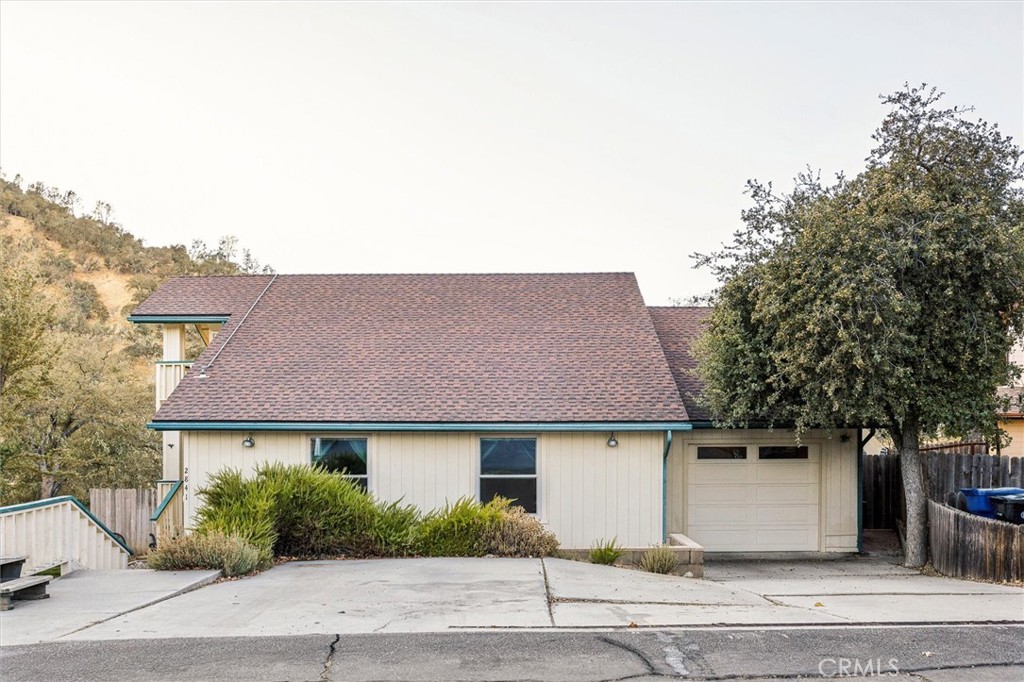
1012	420
563	391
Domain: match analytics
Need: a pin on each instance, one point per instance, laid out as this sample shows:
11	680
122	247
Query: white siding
427	470
58	532
589	491
586	490
207	452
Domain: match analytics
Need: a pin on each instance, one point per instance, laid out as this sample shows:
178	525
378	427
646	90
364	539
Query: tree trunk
48	487
916	549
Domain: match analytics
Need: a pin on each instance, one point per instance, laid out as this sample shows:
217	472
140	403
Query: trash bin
1009	507
979	500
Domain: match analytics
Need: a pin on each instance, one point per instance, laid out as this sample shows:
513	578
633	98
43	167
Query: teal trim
664	487
66	498
177	319
493	427
173	362
166	500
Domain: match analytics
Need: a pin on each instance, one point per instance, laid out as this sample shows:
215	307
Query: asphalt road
936	654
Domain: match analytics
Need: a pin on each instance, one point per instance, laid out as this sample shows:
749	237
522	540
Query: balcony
168	375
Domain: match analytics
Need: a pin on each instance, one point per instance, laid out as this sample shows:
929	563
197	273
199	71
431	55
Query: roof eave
417	426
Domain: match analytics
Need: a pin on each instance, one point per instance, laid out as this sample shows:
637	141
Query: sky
472	137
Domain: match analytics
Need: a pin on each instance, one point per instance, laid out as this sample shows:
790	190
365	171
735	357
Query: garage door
753	498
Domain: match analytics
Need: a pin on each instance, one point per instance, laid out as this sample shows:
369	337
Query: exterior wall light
248	442
611	441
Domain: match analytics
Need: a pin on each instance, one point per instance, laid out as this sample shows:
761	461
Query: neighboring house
1012	421
563	391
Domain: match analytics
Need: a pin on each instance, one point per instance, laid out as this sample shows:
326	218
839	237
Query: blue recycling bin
979	500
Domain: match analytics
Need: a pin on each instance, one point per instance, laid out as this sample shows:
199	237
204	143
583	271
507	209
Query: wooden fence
968	546
945	472
883	491
126	511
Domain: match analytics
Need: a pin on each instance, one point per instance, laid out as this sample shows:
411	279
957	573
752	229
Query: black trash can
1009	508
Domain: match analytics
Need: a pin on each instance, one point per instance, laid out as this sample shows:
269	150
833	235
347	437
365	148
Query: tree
85	428
890	299
26	351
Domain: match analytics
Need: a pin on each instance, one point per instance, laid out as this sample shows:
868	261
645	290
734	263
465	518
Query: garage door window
720	452
782	452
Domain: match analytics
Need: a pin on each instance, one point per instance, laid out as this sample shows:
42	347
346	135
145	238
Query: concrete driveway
438	595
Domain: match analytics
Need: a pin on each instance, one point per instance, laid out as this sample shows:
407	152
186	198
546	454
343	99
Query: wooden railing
168	375
60	531
169	516
968	546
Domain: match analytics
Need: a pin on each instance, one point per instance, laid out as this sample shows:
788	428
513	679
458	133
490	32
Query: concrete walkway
86	598
437	595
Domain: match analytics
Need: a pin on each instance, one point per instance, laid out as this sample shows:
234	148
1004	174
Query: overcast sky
529	137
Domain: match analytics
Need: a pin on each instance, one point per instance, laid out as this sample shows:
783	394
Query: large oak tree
889	299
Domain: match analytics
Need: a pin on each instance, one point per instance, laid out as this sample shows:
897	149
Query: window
730	452
346	456
782	452
508	467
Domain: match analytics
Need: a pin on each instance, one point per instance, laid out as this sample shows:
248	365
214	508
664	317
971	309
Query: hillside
75	377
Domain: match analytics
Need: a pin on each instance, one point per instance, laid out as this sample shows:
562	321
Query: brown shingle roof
217	295
426	349
678	328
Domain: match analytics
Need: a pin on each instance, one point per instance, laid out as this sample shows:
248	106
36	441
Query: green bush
460	529
238	507
229	553
305	511
394	529
318	513
518	534
605	552
659	559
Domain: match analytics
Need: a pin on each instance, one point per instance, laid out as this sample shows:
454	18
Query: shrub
659	559
518	534
229	553
240	508
305	511
317	512
460	529
394	529
605	552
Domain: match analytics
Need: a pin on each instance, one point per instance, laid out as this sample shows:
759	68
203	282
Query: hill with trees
76	380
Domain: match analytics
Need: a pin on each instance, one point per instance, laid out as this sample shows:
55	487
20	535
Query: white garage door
753	498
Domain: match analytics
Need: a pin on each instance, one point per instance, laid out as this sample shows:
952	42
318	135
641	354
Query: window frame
480	476
803	453
744	458
315	440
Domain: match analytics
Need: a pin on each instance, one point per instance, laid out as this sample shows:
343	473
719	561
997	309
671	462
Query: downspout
861	442
664	487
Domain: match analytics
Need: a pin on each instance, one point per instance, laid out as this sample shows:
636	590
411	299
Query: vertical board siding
58	533
968	546
426	470
208	452
589	491
126	511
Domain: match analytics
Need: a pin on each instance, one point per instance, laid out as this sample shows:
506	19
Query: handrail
53	501
166	501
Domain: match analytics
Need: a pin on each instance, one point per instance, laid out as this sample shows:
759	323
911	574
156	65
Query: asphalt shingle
678	329
423	349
